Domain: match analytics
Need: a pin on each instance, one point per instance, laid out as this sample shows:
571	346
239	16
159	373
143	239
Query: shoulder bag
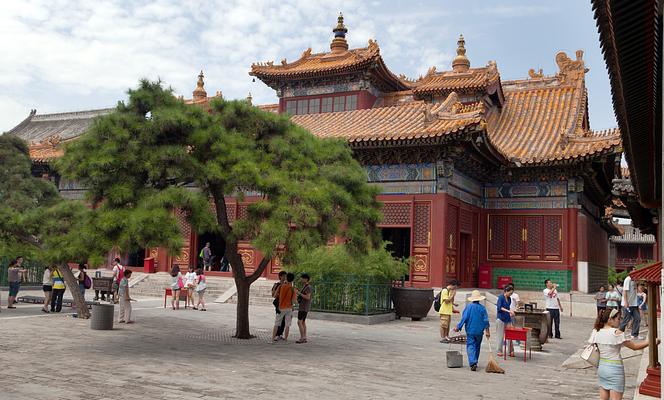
590	353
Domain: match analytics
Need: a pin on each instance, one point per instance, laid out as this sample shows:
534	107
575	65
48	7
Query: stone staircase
153	285
260	293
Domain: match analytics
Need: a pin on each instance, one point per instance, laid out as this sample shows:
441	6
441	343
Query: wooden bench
40	300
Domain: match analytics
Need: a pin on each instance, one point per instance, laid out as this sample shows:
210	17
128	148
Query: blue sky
76	55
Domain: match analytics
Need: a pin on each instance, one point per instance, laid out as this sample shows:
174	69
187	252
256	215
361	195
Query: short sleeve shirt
13	275
515	301
551	298
124	283
632	297
190	278
286	296
305	305
446	308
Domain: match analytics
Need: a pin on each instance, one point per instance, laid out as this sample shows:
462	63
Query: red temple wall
593	241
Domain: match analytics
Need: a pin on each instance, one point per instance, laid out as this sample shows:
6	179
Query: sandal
203	309
499	355
301	341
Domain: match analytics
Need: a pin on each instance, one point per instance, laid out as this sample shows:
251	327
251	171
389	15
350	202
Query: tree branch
259	271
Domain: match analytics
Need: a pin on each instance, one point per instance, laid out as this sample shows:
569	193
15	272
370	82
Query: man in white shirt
118	274
553	306
630	306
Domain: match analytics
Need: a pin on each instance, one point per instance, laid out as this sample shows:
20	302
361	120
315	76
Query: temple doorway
135	258
218	247
465	260
399	245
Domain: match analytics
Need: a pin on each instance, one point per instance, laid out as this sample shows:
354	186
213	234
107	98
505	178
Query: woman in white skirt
609	340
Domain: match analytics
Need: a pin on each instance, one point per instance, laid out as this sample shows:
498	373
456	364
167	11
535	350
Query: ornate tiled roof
544	119
436	83
46	150
273	108
633	235
411	121
40	127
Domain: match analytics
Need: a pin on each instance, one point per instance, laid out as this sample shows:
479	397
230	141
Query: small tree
156	154
34	220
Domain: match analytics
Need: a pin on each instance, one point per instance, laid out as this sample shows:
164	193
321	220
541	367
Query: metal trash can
102	317
454	359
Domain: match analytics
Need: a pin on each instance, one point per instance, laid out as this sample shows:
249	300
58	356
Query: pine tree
34	220
156	154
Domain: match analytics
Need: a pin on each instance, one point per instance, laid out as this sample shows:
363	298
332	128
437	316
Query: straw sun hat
475	295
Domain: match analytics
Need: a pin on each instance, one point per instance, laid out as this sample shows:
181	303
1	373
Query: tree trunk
72	284
242	318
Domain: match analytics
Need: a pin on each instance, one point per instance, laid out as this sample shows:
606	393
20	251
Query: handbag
590	353
180	283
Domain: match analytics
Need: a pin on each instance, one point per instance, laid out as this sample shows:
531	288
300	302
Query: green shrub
338	264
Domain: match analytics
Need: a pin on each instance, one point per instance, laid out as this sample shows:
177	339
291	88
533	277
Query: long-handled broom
492	366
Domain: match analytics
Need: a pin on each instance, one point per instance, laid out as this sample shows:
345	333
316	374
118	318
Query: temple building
480	178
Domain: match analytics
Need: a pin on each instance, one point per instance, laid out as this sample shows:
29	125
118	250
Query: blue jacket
475	319
503	303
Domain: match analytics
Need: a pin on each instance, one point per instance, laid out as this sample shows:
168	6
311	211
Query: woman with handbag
609	340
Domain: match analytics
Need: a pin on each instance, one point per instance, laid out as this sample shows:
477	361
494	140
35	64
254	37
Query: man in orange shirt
286	298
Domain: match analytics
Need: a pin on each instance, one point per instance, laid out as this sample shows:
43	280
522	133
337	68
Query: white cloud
70	55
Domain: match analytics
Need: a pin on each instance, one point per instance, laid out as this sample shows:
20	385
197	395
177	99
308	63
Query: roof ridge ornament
200	93
461	62
339	43
570	70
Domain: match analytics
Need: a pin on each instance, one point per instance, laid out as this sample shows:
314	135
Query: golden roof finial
461	62
199	92
249	98
339	43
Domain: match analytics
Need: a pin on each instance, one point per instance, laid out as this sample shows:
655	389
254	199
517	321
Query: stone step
153	285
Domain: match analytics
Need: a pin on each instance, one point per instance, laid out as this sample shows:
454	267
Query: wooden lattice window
496	236
553	237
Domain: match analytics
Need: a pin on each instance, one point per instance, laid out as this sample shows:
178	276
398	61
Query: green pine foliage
337	264
156	154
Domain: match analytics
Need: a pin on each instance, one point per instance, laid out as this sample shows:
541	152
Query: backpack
200	255
87	282
436	302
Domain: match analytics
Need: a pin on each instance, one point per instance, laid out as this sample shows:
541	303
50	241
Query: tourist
630	305
475	319
275	302
304	301
14	274
82	275
643	304
514	304
286	299
600	299
118	274
612	297
58	289
609	341
553	306
125	300
447	309
176	286
504	319
206	254
190	286
201	285
47	287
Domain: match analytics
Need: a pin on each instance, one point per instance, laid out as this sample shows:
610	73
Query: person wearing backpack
447	309
83	278
206	255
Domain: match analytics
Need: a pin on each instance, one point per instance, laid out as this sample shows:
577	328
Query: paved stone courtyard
191	354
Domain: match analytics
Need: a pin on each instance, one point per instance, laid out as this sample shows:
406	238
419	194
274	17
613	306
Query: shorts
14	288
47	288
284	315
445	320
302	315
200	292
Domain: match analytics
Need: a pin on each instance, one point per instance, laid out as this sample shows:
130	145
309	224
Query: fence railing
33	275
352	298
